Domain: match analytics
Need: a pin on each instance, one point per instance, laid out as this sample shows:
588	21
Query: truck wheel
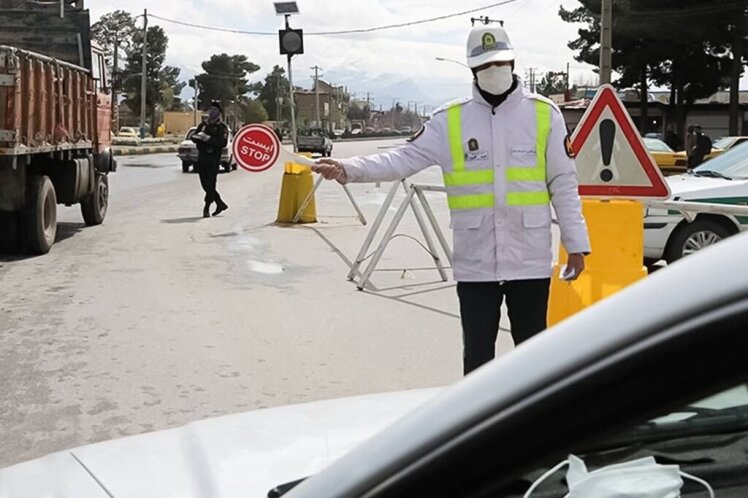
226	167
41	215
185	167
94	207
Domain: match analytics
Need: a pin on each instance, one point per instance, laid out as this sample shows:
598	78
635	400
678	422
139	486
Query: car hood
243	455
685	187
187	143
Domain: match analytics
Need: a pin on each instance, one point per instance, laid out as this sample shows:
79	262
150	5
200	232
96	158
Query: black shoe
222	206
206	211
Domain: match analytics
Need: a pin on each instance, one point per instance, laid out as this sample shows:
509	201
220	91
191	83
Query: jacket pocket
536	234
467	237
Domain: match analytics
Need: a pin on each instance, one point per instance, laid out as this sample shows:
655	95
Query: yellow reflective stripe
543	111
525	174
469	177
470	201
454	132
527	198
538	172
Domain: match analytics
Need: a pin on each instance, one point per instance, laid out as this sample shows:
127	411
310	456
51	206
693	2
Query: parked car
406	130
635	381
722	180
338	132
187	152
667	159
719	146
128	132
314	140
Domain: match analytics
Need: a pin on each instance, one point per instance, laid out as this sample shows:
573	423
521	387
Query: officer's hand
574	266
330	169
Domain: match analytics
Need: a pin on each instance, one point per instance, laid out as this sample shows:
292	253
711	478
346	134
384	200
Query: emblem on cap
472	144
488	41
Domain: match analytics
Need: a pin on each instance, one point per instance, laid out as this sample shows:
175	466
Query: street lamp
291	43
443	59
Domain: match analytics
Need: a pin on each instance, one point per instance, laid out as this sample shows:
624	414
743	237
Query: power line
333	33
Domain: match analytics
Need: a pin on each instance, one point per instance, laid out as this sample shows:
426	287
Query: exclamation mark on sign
607	138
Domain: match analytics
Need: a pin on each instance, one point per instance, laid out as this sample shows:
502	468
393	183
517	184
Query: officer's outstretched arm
424	149
564	190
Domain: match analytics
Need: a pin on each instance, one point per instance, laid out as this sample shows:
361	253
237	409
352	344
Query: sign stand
613	167
412	192
310	196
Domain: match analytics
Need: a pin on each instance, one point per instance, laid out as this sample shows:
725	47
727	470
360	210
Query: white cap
488	43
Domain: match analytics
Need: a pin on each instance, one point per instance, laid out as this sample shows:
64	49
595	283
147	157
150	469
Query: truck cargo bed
46	105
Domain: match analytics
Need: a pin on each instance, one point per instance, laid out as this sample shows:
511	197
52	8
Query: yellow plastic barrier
617	237
296	186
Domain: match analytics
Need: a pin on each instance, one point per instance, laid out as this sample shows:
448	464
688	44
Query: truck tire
185	167
226	167
41	215
94	207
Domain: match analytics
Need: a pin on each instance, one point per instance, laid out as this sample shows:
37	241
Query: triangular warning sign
611	158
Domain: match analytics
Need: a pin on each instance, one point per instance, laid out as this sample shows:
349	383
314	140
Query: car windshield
725	411
713	430
731	164
655	145
724	143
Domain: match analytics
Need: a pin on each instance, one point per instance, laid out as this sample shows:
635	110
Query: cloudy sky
397	64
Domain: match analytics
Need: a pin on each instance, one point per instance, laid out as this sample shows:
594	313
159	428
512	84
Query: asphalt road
159	317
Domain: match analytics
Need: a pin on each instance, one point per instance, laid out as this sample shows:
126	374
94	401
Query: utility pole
278	101
606	41
291	97
194	103
143	75
531	72
392	114
738	44
316	94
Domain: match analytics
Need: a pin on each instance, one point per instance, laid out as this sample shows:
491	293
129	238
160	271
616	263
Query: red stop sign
256	148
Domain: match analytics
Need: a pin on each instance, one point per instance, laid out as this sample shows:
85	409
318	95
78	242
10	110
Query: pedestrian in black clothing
210	138
702	148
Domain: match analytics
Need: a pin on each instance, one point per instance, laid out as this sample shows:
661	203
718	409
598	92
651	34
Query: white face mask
495	79
642	478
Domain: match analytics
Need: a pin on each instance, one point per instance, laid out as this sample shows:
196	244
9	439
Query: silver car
187	152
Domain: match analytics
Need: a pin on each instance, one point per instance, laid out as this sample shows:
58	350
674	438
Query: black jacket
219	137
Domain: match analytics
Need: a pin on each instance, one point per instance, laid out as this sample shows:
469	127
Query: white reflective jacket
499	183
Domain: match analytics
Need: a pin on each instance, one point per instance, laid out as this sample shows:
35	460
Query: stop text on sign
256	148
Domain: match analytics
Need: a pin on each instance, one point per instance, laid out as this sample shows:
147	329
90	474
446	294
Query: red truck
55	123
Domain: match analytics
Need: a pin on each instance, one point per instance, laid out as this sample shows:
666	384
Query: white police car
722	180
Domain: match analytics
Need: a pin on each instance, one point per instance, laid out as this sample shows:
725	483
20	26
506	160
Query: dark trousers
480	311
208	170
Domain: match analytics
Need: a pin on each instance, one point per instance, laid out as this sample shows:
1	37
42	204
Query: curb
133	151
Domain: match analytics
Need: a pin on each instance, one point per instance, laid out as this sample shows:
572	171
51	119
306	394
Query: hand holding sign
256	148
330	169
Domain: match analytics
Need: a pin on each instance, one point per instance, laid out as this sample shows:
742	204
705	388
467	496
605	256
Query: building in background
333	107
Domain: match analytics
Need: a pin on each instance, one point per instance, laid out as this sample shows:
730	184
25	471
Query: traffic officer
506	157
210	138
